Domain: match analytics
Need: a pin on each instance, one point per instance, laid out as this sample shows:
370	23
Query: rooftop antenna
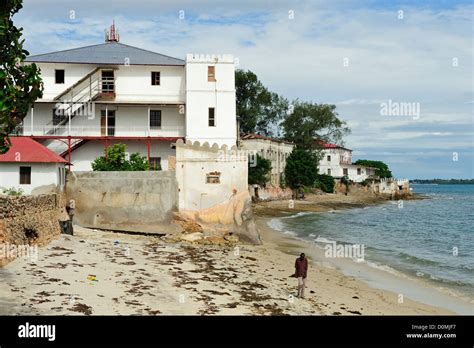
112	35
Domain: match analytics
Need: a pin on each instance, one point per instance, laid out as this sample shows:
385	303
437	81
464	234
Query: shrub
325	182
114	159
12	191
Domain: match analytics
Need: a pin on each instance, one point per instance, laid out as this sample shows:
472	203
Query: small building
277	151
337	162
29	165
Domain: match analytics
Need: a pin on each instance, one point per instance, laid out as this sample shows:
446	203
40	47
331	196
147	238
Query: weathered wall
29	220
270	193
227	202
127	201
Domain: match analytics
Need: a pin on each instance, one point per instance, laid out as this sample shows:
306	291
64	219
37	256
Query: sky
399	72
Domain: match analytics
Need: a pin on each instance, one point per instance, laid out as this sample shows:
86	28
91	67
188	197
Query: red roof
331	146
25	149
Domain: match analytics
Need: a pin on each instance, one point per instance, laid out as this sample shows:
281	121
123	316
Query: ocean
430	239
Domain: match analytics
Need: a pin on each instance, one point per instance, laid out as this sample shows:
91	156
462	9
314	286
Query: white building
277	151
98	95
337	162
28	165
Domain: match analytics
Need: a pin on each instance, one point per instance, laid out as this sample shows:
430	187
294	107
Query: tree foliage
115	159
382	168
20	85
301	168
260	110
309	121
325	183
259	171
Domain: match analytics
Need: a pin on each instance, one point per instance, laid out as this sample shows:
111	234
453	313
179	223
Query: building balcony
107	131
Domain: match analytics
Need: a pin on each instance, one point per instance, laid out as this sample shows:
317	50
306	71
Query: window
329	171
155	119
155	163
212	117
329	158
211	73
155	78
359	171
25	175
213	178
345	171
59	75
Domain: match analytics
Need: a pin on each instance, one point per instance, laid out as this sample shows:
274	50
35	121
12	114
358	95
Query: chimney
112	35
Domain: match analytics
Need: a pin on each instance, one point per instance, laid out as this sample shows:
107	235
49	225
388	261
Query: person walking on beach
301	270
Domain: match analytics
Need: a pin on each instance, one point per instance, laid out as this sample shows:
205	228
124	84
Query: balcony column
148	124
32	115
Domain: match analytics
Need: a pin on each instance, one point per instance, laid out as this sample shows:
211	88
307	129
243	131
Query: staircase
75	100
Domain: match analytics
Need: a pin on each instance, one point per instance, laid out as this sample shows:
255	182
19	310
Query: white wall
202	94
83	156
42	174
193	162
133	82
335	164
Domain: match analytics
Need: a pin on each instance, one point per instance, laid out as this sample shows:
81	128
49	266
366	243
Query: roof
106	53
326	145
252	136
26	150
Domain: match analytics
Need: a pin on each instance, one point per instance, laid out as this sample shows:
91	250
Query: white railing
140	131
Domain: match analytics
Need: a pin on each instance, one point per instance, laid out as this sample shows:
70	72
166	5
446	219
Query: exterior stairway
76	100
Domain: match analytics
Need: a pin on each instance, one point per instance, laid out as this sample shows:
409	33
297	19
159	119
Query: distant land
443	181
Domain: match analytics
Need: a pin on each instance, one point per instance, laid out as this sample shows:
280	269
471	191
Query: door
107	124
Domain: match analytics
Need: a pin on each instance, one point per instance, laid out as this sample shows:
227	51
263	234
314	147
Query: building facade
28	166
277	151
337	162
98	95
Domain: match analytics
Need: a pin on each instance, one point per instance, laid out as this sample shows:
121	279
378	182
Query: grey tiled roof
106	53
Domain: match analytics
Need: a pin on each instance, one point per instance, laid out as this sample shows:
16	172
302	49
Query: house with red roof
336	160
29	166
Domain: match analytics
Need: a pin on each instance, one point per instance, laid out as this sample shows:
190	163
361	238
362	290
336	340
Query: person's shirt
301	267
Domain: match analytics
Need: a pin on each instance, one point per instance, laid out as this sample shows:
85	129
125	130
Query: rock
191	237
231	238
217	240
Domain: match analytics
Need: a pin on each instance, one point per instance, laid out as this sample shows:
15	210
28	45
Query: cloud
347	53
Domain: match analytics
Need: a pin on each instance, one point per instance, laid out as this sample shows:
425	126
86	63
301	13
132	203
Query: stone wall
29	220
270	193
123	201
213	188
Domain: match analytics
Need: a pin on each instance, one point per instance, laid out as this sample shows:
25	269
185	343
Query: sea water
430	239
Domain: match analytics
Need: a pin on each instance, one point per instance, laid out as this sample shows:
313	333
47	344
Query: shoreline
375	276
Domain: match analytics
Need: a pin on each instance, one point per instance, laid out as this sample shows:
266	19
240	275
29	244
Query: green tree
259	171
325	182
309	121
301	168
382	168
259	110
114	159
20	85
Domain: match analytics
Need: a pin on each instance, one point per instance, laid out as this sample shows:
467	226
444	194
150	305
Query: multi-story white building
337	162
98	95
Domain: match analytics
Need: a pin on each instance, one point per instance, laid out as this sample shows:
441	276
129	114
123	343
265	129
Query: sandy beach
105	273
